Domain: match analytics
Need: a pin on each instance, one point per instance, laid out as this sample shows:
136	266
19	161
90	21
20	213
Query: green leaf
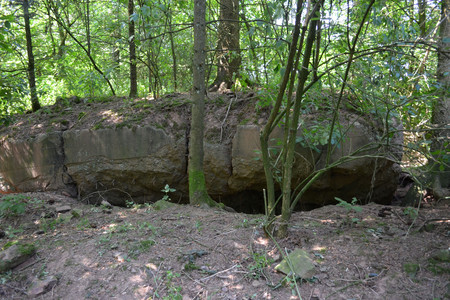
277	68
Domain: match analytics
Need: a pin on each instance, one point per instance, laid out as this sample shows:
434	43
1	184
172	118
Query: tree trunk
174	56
88	27
286	209
197	184
422	4
441	110
253	56
31	76
272	121
228	47
131	35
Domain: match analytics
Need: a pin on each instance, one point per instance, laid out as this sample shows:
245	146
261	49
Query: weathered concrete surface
35	164
136	163
123	162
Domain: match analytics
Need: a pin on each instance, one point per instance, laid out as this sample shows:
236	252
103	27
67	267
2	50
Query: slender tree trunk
422	4
31	75
174	56
197	184
317	51
88	27
272	121
131	39
228	48
293	125
441	110
254	57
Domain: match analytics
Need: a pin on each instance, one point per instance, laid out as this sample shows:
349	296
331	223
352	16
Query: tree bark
422	4
272	121
197	183
31	75
132	44
441	110
88	27
228	46
286	209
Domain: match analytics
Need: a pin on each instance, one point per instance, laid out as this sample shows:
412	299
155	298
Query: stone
256	283
63	209
106	204
15	255
76	213
40	287
162	205
302	265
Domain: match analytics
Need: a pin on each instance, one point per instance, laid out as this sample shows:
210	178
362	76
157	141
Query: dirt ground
187	252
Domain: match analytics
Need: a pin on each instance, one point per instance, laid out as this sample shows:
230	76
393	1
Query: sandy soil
187	252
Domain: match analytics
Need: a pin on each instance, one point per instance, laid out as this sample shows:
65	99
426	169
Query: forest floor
187	252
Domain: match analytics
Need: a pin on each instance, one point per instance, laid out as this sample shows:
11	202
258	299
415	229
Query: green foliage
49	224
26	248
12	232
166	190
411	212
84	223
349	206
139	247
257	267
13	205
5	277
411	269
173	291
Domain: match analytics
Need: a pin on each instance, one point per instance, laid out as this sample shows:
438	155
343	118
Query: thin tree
441	110
291	196
228	53
31	75
197	185
132	44
57	17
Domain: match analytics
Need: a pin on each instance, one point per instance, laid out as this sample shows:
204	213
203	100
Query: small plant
26	249
12	205
166	190
11	232
43	272
260	262
122	228
411	212
147	207
199	225
146	226
46	225
174	292
83	224
350	207
246	223
140	247
5	277
81	115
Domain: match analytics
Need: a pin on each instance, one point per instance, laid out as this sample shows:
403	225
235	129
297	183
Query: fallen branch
226	116
213	275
